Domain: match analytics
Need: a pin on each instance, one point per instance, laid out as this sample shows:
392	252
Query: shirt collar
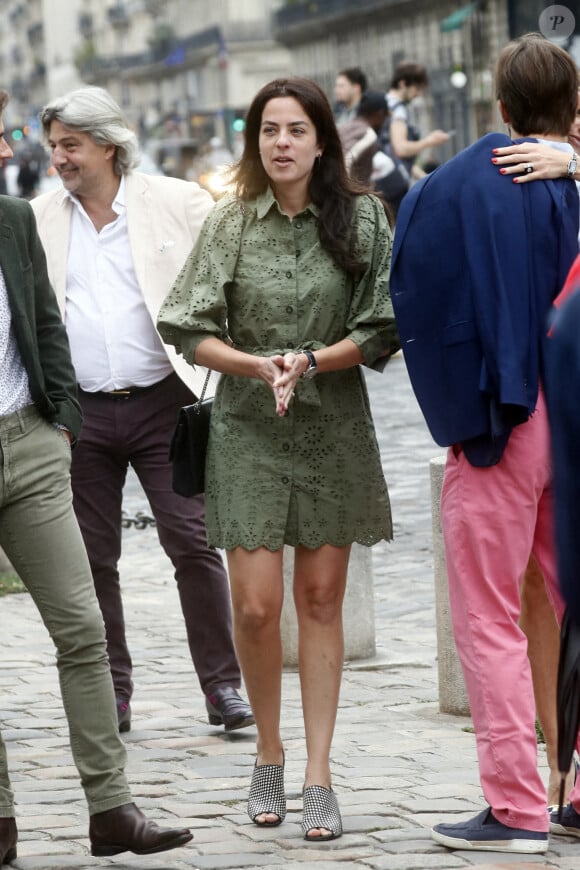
561	146
266	200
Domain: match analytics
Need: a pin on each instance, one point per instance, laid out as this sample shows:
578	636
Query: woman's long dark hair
330	187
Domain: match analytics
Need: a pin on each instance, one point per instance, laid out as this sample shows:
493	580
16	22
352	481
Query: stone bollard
452	693
358	609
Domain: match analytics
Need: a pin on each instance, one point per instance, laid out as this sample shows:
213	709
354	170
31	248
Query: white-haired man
115	241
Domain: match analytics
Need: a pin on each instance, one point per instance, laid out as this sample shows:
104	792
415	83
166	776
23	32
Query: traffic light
20	133
238	125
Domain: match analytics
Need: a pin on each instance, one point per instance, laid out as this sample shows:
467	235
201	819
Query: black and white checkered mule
321	811
267	794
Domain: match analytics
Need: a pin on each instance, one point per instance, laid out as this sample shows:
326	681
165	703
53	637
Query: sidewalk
399	766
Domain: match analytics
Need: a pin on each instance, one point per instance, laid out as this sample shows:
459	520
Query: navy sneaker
569	825
485	834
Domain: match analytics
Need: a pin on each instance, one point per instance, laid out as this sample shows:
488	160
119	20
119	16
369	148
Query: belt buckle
124	394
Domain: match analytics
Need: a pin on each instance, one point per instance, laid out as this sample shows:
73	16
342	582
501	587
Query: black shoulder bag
189	445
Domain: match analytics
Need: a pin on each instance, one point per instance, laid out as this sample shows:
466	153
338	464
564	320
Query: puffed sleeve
196	306
371	320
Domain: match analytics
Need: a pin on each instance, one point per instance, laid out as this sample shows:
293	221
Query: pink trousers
492	519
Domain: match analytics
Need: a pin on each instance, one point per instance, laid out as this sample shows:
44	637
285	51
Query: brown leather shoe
126	829
8	838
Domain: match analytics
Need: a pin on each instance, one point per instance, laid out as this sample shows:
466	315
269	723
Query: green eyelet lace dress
260	280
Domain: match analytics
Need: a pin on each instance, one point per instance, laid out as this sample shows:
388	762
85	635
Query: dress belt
125	392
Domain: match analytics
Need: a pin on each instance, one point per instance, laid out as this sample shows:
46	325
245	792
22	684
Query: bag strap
204	388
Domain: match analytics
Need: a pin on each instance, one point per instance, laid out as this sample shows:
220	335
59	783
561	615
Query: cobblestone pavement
399	765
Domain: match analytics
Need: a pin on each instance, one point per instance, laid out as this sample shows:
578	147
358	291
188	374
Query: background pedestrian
350	85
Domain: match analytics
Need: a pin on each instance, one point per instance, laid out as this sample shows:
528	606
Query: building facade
446	37
179	68
187	69
456	40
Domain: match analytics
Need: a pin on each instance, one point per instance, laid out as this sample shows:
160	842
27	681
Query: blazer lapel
140	226
12	265
55	238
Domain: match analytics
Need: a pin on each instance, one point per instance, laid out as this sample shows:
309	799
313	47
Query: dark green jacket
36	320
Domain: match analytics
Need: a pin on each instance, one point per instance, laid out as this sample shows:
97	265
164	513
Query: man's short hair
537	83
411	74
356	76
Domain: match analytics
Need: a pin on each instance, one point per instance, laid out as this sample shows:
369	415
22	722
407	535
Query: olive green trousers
40	536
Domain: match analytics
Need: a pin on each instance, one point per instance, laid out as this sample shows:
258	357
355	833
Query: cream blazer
164	216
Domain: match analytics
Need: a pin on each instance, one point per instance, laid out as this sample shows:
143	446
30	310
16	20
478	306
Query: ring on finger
529	168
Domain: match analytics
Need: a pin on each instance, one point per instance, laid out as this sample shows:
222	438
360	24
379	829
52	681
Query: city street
399	764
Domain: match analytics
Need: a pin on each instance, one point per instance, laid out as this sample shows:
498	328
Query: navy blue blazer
562	376
477	262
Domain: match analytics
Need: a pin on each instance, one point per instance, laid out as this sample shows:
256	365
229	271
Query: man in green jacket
39	421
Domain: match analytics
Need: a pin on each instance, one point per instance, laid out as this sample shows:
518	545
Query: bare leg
319	585
538	622
257	594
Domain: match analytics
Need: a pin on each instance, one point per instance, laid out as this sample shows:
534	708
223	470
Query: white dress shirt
114	342
14	387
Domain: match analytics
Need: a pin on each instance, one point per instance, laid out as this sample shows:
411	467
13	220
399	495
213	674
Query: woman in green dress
286	293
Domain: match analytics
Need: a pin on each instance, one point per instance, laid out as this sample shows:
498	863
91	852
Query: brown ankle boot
126	829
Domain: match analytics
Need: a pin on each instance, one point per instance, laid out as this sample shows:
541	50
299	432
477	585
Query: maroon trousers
137	431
